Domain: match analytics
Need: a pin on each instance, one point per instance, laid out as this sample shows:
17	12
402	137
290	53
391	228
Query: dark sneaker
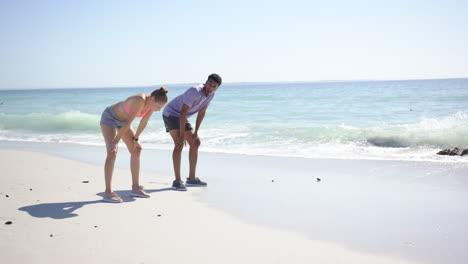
178	185
195	182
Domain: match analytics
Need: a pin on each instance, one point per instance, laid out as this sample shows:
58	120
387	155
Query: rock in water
451	152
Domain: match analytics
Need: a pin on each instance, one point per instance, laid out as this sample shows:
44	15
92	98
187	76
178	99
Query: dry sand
57	218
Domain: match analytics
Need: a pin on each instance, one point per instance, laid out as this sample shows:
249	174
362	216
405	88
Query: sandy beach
57	216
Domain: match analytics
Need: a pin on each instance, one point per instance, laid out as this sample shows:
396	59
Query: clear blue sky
52	44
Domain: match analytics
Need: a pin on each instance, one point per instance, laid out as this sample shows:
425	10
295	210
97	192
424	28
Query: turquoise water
408	120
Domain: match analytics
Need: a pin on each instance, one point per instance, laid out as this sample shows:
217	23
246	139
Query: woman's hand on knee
136	146
113	148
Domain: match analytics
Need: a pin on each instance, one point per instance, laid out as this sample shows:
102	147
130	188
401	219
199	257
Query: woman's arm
136	105
143	123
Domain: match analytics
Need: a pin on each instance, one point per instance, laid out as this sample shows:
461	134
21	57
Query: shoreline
44	147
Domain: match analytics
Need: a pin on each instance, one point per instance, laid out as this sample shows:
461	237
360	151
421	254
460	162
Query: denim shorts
172	122
109	118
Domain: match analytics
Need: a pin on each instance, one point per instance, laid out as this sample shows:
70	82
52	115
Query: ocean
389	120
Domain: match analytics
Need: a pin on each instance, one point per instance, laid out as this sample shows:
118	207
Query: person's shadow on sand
55	210
66	210
159	190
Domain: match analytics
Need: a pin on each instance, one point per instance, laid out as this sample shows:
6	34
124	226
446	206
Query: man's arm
182	120
200	116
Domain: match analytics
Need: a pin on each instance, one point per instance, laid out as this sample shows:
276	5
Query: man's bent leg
193	153
176	153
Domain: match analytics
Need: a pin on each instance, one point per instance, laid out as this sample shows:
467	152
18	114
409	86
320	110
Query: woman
116	123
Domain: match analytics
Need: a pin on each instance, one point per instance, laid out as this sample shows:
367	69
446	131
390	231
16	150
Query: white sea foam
419	141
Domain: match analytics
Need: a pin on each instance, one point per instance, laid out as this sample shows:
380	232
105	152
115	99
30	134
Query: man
175	116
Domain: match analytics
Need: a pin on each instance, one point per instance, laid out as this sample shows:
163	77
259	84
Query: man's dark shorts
172	122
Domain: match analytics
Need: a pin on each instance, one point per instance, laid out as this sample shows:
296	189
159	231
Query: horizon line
234	83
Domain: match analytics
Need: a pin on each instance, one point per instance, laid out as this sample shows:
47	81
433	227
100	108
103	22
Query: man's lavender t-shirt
194	97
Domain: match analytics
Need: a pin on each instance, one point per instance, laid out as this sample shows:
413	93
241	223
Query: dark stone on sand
159	215
272	180
8	223
85	181
318	179
7	196
51	235
453	152
30	189
95	226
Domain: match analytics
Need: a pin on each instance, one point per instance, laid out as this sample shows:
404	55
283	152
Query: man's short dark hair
215	77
